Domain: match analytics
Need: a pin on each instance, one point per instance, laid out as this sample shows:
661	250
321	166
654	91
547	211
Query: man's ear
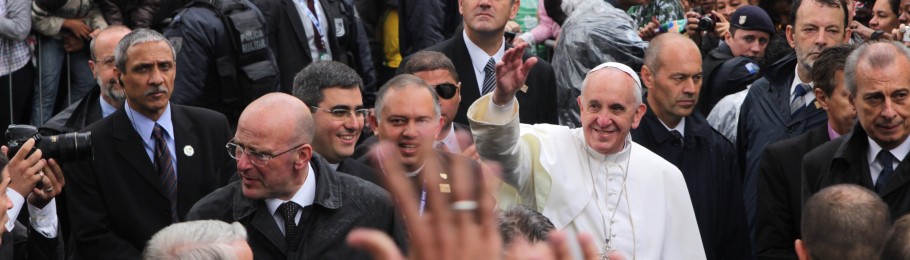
305	156
801	251
646	76
790	38
821	98
639	113
374	123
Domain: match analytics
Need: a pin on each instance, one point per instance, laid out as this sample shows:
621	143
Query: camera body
65	147
705	23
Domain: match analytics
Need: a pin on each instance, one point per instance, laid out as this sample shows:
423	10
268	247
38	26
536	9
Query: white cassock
648	216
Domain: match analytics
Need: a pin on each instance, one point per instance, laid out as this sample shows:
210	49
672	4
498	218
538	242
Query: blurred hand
72	43
861	29
78	28
52	185
721	26
650	30
511	74
692	25
24	170
95	33
512	26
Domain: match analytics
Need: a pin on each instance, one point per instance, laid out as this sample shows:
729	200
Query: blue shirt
106	109
144	125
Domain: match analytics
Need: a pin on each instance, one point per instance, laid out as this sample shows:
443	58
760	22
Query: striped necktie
489	77
166	173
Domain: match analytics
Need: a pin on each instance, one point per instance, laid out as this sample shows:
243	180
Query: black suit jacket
779	188
357	168
76	116
843	161
712	179
117	202
537	105
288	39
342	203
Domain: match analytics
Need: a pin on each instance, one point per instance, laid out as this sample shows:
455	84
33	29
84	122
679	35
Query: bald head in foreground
287	194
843	222
599	180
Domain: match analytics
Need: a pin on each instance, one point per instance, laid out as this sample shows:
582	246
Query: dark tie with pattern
677	138
288	211
318	39
489	77
797	104
166	173
886	159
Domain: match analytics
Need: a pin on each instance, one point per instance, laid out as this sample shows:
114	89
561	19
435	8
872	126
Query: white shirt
479	58
43	220
308	26
451	140
304	197
808	97
681	127
875	167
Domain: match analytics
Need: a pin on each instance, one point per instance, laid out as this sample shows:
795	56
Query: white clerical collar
619	157
479	57
304	196
898	152
681	127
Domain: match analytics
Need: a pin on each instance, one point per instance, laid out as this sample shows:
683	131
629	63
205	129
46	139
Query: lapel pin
188	150
444	176
445	188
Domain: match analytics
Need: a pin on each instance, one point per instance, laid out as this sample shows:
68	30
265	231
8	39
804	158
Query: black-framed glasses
256	158
343	113
446	90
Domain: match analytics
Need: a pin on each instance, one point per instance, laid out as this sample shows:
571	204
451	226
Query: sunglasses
446	90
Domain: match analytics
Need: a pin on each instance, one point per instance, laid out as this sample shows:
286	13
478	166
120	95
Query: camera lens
705	23
67	147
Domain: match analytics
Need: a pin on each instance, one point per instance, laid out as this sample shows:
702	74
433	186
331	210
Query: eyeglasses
446	90
256	158
342	113
107	61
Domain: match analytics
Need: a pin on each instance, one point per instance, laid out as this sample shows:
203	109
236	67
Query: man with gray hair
199	240
152	159
872	155
292	203
594	178
843	221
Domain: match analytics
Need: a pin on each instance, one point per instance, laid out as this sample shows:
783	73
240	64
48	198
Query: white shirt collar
479	58
681	127
796	81
898	152
451	140
304	196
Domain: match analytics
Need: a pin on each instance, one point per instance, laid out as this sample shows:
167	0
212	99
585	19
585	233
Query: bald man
673	129
291	201
595	178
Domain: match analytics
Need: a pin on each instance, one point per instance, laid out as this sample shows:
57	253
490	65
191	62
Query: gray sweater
17	21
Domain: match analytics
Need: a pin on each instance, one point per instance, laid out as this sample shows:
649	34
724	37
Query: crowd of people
443	129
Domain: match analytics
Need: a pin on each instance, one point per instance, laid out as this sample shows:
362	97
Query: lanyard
316	22
423	200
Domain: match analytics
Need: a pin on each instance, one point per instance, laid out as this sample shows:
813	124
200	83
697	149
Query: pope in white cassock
593	179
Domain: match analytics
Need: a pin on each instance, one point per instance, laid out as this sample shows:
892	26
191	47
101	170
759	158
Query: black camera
65	147
707	22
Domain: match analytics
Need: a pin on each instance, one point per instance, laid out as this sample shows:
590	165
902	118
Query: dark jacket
139	13
779	194
764	119
288	40
25	243
357	168
117	202
200	40
843	161
712	179
538	104
342	203
76	116
723	75
424	23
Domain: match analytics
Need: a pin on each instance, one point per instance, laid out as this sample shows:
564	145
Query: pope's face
608	110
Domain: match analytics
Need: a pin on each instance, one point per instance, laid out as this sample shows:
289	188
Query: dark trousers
20	102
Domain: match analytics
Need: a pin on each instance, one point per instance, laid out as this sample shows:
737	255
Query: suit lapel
297	25
185	143
264	223
465	68
132	150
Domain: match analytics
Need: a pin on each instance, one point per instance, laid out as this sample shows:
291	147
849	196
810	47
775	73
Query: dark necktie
489	77
797	104
311	4
166	173
677	138
288	211
886	159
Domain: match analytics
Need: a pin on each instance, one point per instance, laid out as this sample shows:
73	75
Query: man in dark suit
332	91
476	51
102	100
873	155
303	31
779	199
292	203
152	160
779	105
673	129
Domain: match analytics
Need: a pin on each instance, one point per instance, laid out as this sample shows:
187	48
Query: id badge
324	56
